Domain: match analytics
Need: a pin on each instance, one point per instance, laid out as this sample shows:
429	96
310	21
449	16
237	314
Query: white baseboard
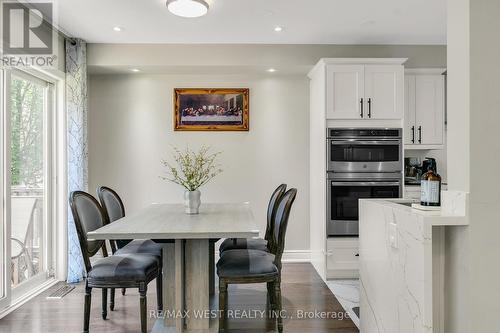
291	256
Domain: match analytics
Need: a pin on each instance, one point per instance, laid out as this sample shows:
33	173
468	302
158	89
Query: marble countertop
444	217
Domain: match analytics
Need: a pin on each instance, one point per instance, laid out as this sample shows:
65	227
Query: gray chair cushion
121	268
141	246
246	263
243	243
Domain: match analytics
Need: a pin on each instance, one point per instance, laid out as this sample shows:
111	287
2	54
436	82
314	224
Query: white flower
194	169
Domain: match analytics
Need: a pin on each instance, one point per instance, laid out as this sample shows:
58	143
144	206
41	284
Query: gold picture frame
211	109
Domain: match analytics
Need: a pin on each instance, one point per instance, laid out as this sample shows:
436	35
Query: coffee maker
429	163
415	168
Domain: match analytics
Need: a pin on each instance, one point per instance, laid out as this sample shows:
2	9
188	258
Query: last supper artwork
211	109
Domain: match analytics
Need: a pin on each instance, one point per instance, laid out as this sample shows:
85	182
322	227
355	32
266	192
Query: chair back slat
271	210
281	223
88	216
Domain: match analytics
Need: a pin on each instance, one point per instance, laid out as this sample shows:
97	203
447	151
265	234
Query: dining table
188	255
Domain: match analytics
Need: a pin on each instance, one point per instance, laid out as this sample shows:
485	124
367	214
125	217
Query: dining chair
242	266
114	210
116	271
257	243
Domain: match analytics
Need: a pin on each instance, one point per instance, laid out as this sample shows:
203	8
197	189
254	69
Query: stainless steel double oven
361	163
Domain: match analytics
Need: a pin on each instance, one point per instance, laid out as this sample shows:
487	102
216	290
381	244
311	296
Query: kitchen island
401	260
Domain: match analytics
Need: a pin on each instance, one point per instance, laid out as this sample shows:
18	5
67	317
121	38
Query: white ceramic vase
192	202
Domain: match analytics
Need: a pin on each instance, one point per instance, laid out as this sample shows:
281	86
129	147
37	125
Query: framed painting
211	109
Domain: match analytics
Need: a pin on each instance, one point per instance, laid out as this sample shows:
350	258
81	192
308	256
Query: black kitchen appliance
415	168
429	163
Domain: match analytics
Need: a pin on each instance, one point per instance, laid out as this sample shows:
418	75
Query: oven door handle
335	183
366	142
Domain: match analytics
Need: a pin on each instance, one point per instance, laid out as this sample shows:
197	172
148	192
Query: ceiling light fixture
135	70
278	28
117	29
271	70
188	8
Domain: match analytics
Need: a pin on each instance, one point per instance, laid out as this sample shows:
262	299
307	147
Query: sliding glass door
26	179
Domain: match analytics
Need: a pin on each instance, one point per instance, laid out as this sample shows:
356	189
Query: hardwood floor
302	290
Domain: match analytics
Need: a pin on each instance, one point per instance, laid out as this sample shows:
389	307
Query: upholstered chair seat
120	268
246	263
142	246
243	243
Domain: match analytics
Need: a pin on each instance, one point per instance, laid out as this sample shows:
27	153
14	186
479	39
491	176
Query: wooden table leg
179	283
168	282
197	283
211	267
173	284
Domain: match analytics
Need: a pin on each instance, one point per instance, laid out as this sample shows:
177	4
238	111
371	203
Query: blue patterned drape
76	104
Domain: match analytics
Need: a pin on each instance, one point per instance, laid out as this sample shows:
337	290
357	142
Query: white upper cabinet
429	108
365	91
384	91
424	111
409	131
345	91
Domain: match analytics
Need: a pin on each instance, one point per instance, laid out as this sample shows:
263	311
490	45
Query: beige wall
130	131
484	157
474	82
457	248
458	94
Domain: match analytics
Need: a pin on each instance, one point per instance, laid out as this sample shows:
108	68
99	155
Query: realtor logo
27	34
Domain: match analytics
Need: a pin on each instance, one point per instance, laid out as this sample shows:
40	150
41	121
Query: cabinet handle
356	255
419	134
413	134
369	107
361	107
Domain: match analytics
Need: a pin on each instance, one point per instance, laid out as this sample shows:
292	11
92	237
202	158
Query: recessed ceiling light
278	28
271	70
117	29
135	70
188	8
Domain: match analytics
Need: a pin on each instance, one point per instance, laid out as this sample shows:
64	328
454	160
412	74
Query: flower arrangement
193	169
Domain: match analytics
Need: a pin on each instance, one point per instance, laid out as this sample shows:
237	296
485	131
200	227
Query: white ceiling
253	21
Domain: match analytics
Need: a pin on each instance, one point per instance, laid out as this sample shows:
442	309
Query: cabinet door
384	91
345	92
429	109
342	258
410	128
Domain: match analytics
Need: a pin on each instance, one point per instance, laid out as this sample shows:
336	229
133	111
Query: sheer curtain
76	104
